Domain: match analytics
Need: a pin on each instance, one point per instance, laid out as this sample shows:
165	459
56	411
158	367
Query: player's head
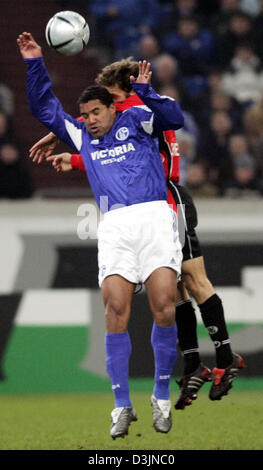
97	109
116	78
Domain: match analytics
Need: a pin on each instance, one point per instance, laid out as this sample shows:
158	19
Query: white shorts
135	240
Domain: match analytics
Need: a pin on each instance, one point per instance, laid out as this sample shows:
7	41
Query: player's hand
145	74
43	148
28	46
61	162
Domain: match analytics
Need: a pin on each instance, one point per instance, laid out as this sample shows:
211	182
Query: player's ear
112	108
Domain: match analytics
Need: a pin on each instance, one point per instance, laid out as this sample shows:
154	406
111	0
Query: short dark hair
96	92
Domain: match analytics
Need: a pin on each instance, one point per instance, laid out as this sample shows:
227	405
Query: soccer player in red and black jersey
116	78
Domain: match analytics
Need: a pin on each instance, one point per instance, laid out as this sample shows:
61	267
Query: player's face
98	117
118	95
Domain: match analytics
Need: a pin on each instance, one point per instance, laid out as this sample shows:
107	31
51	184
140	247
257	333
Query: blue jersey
124	165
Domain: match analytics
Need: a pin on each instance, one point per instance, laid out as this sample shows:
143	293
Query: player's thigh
115	253
194	267
162	247
191	248
161	290
188	221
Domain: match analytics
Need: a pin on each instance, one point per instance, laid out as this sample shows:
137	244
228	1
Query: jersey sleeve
77	162
167	114
45	106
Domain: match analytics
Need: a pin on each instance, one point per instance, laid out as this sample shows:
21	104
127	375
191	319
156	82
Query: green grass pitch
82	421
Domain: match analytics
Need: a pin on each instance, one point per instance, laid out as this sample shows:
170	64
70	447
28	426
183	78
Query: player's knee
199	287
116	316
164	313
114	308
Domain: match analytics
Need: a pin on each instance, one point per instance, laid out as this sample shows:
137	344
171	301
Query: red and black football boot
190	384
223	378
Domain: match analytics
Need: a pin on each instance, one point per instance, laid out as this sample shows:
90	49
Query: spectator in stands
189	42
187	152
214	147
199	105
197	181
253	126
166	72
258	23
181	9
219	100
238	150
193	46
243	180
258	28
185	8
239	29
219	21
6	100
5	128
252	7
148	47
244	78
189	122
124	23
15	181
214	79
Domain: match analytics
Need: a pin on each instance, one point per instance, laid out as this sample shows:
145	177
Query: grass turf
77	421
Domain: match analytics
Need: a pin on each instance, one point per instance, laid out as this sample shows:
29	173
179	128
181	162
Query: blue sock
164	341
118	351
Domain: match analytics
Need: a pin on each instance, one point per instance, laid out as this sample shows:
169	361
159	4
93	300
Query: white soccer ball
67	32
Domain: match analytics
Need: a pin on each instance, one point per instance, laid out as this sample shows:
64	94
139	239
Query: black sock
212	313
187	336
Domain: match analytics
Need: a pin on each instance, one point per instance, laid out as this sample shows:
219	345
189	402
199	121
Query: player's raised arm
167	113
28	46
43	103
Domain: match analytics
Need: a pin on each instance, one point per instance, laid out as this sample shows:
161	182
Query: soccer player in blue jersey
138	238
116	79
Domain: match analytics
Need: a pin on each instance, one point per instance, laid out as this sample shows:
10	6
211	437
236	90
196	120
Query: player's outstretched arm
43	148
28	46
167	113
44	105
61	162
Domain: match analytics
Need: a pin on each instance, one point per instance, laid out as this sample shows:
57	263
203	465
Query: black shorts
191	245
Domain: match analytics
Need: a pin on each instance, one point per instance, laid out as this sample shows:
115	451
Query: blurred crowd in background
206	55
